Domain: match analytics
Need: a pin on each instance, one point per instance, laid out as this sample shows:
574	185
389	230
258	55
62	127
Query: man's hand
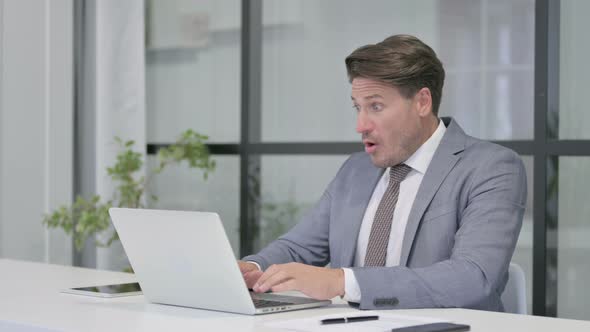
317	282
250	272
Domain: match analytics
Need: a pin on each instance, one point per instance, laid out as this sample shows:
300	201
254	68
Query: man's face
390	125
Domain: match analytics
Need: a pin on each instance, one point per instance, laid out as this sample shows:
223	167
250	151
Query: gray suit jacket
459	239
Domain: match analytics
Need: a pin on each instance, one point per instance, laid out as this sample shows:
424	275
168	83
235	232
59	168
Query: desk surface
30	301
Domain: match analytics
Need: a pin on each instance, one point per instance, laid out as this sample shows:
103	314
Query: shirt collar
420	160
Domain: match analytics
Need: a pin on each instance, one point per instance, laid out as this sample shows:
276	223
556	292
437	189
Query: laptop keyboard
260	303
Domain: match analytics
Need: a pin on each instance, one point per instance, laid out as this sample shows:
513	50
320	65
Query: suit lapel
359	199
443	161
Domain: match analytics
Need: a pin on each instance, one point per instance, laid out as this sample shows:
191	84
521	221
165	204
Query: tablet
434	327
115	290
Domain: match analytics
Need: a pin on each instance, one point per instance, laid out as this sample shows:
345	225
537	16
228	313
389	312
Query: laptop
184	258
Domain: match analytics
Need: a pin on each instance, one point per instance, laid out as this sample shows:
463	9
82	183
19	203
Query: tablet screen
112	289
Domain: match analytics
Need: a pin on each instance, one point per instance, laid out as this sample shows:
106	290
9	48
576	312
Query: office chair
514	295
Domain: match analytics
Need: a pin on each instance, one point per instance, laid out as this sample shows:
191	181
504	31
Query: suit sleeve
308	241
474	275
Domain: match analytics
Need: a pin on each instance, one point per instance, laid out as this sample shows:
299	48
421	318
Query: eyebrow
375	96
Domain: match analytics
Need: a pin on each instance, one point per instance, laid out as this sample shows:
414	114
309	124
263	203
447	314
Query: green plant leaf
85	218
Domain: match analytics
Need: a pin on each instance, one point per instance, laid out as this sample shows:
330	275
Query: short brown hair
402	61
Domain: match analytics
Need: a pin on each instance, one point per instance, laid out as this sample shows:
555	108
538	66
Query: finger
288	285
252	277
267	274
251	274
275	279
267	280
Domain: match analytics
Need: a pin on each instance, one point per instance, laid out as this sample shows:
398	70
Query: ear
423	100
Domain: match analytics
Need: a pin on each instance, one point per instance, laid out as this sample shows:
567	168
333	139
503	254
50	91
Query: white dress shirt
419	162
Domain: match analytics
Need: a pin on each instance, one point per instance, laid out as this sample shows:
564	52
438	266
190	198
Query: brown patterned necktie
381	228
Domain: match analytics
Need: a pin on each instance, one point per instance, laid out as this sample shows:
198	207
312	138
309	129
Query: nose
363	125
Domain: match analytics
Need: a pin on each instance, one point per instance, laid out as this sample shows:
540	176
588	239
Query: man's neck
430	127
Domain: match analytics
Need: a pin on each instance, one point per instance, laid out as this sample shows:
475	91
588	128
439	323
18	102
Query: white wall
193	87
573	268
574	118
35	126
305	89
304	78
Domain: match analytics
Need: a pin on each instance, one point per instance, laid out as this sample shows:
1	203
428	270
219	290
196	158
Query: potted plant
85	218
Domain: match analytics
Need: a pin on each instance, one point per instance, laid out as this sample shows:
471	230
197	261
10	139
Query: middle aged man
426	216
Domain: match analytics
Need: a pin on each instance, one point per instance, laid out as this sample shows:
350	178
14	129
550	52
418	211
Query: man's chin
380	163
383	162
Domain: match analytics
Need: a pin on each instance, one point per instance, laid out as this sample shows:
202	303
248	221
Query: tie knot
399	172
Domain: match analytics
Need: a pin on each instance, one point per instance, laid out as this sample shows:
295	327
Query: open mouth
370	147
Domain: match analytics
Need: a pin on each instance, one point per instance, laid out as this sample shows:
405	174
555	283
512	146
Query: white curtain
35	127
117	91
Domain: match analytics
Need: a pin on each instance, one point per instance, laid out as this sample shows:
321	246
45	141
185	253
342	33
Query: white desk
30	301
